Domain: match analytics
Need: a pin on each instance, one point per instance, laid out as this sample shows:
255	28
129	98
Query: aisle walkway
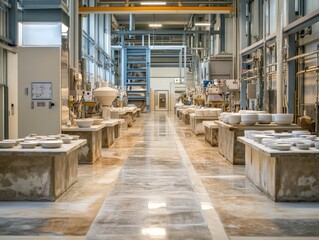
160	181
154	196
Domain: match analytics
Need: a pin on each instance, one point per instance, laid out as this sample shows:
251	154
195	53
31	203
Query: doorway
161	100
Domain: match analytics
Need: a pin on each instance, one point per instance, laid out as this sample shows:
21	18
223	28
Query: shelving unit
251	72
137	74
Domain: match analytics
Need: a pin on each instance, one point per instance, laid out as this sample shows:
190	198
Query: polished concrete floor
160	181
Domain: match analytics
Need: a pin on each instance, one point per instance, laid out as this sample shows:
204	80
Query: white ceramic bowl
283	147
308	137
317	145
52	144
226	118
66	140
259	137
7	144
84	123
264	118
297	133
249	133
54	136
97	121
75	137
303	146
249	118
266	141
283	118
30	144
10	140
234	118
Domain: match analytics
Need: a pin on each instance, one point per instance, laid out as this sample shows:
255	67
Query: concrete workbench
283	175
184	116
39	174
211	132
108	132
196	122
92	151
233	150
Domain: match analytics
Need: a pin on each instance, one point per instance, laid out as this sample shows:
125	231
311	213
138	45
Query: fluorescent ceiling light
202	24
155	25
153	3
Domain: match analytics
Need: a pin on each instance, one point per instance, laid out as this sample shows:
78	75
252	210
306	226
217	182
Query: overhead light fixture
153	3
155	25
202	24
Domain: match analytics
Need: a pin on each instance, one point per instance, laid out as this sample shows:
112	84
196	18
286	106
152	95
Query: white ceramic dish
234	118
308	137
303	146
84	123
97	121
259	137
283	147
264	118
75	137
249	133
52	144
297	133
30	139
10	140
66	140
7	144
31	144
317	145
282	135
54	136
283	119
267	141
249	118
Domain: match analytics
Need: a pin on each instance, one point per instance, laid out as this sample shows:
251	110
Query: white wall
164	79
13	94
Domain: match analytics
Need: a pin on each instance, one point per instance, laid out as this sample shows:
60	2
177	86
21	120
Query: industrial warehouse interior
175	119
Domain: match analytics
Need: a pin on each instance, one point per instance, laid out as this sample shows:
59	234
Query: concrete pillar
279	41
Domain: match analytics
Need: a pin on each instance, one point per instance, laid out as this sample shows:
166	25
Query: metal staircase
137	75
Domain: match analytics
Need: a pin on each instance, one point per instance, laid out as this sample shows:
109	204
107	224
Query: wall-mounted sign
41	90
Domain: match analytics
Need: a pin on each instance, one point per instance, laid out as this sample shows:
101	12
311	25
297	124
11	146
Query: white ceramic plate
51	144
28	144
75	137
7	144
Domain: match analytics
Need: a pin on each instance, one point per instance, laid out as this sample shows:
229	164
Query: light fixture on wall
202	24
153	3
154	25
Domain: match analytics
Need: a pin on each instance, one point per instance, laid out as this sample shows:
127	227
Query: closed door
161	100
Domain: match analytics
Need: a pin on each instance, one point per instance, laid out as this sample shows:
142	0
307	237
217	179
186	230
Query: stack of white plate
283	118
249	118
264	118
297	133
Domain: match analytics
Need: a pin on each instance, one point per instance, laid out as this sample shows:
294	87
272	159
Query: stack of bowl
283	118
249	118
